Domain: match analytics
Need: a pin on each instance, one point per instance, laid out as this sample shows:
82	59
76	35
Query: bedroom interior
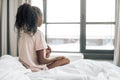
79	32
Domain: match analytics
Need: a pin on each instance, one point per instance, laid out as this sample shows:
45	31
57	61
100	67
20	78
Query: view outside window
100	36
62	27
100	10
64	37
63	10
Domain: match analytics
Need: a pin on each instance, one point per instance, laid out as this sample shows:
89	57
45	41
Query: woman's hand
48	51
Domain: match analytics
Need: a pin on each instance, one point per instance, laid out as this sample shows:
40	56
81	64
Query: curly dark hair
27	18
37	10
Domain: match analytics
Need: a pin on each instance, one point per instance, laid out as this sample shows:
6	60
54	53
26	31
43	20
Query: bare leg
60	62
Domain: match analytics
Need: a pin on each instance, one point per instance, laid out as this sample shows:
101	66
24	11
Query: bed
83	69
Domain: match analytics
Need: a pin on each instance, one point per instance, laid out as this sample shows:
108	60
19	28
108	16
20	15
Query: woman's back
28	44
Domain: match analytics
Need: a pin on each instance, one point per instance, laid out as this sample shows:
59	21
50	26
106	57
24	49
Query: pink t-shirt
28	45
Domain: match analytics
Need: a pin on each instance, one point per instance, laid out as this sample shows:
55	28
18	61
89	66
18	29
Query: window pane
100	37
63	10
64	37
100	10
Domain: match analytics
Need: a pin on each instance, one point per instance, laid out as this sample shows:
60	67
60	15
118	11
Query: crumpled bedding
12	69
81	70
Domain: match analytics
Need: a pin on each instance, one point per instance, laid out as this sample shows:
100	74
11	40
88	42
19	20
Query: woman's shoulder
38	33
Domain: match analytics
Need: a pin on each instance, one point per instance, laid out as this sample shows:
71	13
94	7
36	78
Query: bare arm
41	56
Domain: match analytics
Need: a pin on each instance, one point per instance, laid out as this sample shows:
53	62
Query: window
64	37
100	36
100	10
63	11
81	26
100	24
62	24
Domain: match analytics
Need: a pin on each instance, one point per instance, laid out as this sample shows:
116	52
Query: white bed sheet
80	70
12	69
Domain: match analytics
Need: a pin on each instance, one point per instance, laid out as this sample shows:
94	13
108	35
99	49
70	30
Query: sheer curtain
8	36
117	35
3	27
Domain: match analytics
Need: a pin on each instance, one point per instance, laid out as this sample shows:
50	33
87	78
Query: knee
66	61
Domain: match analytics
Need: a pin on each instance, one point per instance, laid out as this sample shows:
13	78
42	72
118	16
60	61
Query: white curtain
117	35
8	34
4	26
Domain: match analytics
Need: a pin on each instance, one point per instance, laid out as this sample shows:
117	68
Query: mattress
83	69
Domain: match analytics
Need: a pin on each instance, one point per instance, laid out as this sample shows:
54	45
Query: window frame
46	23
96	54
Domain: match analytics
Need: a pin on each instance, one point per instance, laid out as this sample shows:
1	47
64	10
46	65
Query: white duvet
12	69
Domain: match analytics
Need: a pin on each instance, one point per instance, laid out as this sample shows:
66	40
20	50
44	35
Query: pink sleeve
40	41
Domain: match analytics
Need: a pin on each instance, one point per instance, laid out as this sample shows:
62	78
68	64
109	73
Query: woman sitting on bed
33	50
